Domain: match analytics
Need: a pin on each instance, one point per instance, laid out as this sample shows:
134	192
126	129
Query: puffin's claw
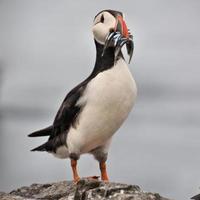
92	177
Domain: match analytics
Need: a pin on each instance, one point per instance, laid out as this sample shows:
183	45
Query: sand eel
95	109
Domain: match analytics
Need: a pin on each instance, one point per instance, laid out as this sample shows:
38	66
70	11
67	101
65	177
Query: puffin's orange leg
104	176
74	170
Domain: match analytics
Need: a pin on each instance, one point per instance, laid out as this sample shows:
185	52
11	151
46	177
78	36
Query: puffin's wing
68	111
65	117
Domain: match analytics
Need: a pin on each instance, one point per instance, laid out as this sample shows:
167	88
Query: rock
84	190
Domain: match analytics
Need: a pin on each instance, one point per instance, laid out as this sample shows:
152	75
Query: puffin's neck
103	62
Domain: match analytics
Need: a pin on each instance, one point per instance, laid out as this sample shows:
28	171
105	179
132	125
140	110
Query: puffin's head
110	30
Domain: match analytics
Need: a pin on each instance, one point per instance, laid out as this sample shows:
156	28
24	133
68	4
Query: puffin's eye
102	19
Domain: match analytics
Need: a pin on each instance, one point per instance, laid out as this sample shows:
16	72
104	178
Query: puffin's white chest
108	100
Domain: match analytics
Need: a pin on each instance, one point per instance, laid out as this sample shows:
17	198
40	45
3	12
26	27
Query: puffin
94	110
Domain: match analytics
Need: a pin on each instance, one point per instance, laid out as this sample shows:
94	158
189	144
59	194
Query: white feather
61	152
101	30
109	98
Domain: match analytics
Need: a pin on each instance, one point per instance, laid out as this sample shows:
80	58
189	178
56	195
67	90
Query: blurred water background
46	48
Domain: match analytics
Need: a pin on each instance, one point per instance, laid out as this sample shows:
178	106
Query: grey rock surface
84	190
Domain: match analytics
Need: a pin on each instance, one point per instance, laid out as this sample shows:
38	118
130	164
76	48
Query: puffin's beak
119	37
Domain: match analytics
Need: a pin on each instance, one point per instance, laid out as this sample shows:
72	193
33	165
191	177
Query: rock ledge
84	190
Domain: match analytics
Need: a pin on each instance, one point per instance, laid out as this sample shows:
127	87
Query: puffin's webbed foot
92	177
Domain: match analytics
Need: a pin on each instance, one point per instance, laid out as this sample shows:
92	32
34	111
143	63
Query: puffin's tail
40	148
47	146
44	132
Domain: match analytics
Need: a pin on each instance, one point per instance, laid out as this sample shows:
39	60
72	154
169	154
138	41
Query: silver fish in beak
118	38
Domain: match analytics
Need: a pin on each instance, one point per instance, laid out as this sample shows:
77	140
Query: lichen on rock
85	189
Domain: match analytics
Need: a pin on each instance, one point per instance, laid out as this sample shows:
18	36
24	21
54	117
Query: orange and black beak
120	36
121	27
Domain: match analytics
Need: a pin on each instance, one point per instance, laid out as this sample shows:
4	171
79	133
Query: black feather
40	148
44	132
112	12
52	144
